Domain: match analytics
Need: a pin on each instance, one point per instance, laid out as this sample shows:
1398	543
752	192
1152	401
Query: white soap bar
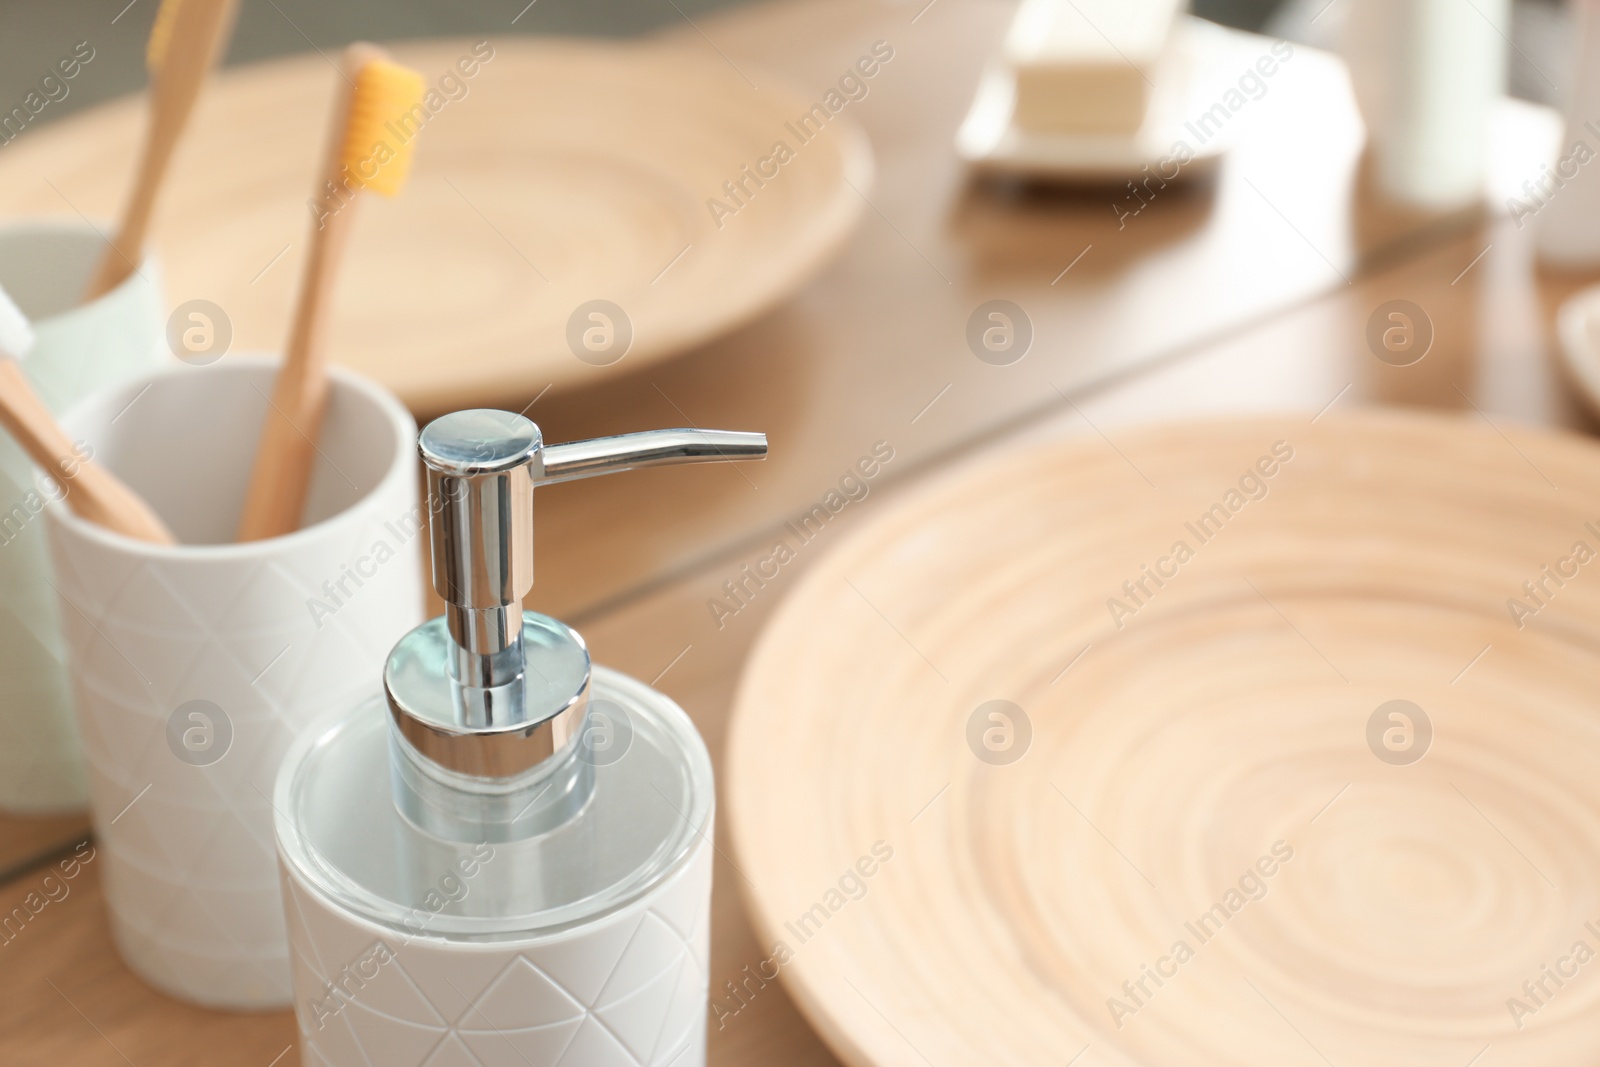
1087	66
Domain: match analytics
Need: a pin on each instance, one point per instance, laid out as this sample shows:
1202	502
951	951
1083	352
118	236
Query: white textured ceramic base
44	266
182	813
626	991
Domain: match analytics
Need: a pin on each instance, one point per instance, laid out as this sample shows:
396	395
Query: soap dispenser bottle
504	859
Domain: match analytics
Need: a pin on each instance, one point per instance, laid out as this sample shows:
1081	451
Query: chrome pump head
488	703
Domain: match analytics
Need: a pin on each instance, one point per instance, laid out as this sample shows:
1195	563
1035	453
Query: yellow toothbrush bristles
155	52
386	112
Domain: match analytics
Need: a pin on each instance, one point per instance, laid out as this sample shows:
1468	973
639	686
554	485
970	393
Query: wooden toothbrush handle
197	34
93	492
276	495
121	255
281	475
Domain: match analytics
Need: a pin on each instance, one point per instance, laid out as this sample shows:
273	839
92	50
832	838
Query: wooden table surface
1250	294
875	349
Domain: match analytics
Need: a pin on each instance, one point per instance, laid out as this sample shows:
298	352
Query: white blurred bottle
1569	212
1427	74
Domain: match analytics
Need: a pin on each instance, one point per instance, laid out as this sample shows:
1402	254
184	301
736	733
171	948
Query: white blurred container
44	266
1427	74
1569	218
195	667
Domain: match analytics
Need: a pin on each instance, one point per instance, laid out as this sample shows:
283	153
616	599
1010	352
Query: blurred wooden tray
569	171
1216	772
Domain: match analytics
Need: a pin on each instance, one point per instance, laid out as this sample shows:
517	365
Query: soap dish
1206	61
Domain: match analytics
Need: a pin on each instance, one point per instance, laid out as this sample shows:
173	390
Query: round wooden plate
1205	835
563	172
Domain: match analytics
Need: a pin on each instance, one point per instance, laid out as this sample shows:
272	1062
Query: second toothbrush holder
196	666
78	348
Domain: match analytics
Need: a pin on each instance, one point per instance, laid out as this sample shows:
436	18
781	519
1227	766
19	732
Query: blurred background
1538	66
847	311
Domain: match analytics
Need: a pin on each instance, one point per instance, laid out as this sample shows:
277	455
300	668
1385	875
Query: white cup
44	266
195	667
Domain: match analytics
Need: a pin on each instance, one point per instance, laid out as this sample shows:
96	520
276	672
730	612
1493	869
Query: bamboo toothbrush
183	43
369	148
91	490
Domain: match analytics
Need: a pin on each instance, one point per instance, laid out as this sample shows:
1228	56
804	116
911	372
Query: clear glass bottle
505	857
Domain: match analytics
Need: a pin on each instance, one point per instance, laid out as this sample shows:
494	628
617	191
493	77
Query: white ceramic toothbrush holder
195	667
44	266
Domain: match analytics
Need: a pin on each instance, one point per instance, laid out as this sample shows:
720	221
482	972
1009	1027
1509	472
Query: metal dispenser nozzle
498	693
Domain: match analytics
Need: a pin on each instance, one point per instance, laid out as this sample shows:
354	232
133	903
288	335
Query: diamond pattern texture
627	991
191	868
97	345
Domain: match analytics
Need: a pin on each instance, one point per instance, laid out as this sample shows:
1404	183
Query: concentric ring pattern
1198	831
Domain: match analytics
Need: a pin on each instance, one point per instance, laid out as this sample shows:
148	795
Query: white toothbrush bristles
16	332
